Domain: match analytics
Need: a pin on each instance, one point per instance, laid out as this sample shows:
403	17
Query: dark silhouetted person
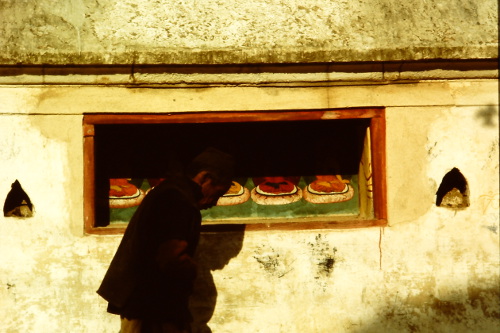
151	276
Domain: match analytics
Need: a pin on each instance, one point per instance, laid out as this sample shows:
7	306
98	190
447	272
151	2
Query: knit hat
216	161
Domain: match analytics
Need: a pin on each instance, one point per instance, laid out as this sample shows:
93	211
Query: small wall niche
453	191
17	203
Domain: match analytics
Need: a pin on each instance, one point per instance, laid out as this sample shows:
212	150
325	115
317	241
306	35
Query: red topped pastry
276	190
328	189
123	194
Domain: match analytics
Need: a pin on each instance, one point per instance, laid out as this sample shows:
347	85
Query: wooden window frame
377	148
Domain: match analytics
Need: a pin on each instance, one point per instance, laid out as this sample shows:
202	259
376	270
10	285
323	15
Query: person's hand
172	259
186	267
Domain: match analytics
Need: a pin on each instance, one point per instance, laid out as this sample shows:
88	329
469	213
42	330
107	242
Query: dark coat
135	285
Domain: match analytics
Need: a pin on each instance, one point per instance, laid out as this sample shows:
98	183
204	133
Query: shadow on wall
488	115
214	252
476	310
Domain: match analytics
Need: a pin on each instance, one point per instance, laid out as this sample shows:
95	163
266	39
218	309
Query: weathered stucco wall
431	270
245	31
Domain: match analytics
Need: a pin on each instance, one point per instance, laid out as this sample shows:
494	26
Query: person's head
213	170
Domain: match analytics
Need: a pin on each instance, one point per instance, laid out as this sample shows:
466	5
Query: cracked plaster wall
432	269
245	31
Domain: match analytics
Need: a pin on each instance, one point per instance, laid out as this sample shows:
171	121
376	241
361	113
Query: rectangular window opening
302	169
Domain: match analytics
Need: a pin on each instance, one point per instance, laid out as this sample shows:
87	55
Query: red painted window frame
378	158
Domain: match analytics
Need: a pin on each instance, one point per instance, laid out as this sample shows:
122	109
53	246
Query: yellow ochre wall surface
432	269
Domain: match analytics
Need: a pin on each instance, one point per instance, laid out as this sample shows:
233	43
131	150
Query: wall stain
323	257
481	298
492	228
487	115
453	310
271	261
423	311
430	150
45	97
11	292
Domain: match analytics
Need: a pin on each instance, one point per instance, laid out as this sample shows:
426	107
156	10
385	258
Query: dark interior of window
261	148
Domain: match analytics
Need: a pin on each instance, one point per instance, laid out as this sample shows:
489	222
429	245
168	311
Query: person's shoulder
174	190
171	185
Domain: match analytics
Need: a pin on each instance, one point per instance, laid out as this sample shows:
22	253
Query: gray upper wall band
109	32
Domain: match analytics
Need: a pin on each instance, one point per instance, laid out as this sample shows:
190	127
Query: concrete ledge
292	55
270	74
